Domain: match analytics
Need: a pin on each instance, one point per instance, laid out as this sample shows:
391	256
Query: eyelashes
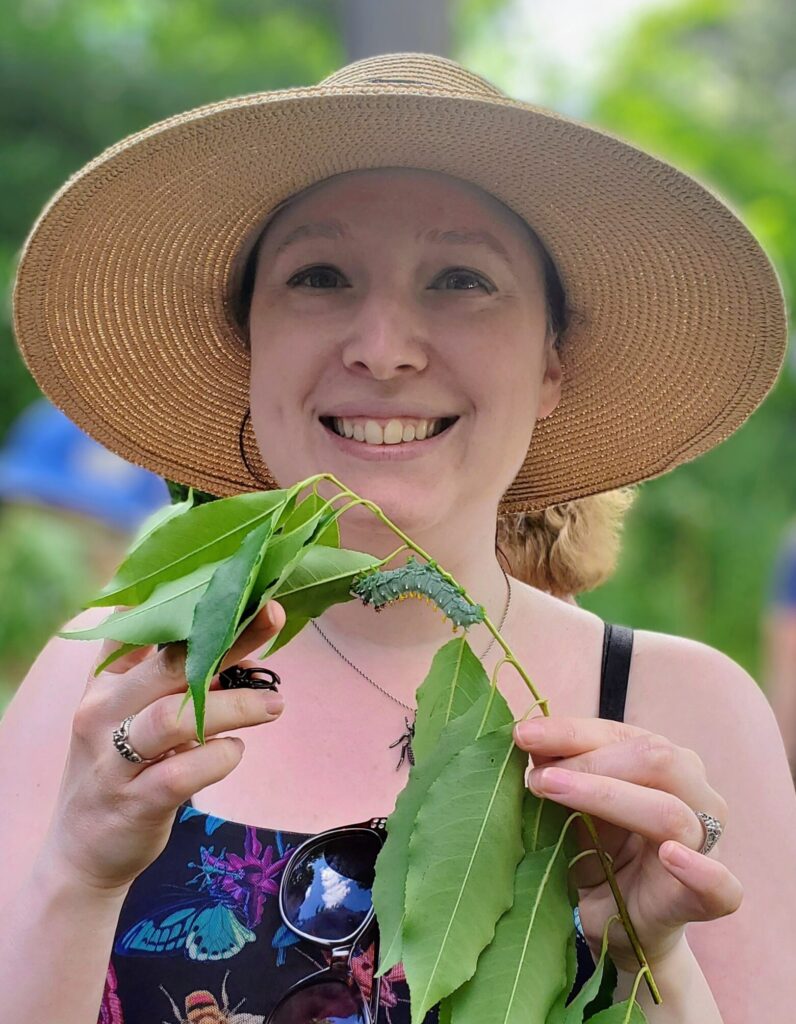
328	273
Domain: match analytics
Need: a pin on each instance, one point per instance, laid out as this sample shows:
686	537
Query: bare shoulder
700	698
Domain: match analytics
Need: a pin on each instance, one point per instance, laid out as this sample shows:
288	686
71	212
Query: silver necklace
406	739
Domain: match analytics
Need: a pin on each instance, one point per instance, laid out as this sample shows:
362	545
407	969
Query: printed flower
111	1008
252	878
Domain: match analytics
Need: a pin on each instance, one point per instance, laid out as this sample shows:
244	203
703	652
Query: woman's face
395	303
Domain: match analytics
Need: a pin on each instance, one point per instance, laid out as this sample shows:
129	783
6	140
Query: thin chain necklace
406	739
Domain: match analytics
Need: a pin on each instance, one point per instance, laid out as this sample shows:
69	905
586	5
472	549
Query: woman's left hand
642	792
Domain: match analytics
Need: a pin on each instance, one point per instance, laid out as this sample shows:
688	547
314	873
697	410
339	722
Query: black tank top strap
617	649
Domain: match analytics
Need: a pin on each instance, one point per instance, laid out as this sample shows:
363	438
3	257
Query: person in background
69	508
779	643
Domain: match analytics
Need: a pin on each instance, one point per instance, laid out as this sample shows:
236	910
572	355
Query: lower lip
388	452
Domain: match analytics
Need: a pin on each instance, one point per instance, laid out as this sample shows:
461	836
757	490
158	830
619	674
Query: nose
385	341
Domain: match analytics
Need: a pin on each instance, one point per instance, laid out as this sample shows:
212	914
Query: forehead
404	196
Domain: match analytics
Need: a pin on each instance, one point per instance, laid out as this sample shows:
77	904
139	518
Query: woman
409	332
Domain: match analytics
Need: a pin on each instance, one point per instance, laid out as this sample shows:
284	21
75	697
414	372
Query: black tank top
200	930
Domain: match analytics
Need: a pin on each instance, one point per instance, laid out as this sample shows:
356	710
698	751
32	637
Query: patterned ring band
122	743
713	830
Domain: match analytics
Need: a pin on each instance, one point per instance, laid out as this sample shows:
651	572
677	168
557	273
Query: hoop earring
268	484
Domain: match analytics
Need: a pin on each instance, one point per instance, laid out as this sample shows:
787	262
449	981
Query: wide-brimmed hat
124	304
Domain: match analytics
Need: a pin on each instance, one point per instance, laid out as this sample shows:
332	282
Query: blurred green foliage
711	86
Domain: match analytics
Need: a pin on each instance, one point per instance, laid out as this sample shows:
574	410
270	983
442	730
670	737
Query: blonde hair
565	549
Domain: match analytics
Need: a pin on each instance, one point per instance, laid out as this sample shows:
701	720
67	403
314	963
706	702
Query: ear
550	393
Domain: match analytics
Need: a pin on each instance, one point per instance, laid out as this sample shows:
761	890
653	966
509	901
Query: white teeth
373	432
394	432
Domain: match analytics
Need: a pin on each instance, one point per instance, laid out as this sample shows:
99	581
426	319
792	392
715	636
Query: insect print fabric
200	939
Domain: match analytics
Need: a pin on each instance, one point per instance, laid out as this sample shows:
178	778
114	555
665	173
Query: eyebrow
462	236
322	229
459	236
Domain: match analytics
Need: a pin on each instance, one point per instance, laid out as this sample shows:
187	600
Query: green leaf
158	518
583	1005
164	617
462	858
621	1013
285	550
521	972
322	578
206	533
115	655
217	614
454	682
542	822
392	864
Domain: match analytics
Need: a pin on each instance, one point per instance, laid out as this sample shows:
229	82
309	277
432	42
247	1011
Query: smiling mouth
392	432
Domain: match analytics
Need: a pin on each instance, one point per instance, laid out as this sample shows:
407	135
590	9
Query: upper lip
351	412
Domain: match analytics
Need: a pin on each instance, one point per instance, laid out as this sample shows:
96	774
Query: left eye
470	280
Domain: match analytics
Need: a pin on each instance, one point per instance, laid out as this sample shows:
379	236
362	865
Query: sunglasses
325	897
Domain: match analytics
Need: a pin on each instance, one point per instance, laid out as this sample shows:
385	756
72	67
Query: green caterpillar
415	579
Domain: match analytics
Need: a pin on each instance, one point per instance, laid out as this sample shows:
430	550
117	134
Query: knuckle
659	755
170	662
624	733
721	809
569	734
677	820
695	762
163	718
241	706
173	778
85	720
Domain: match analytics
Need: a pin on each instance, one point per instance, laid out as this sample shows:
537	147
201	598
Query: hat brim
122	311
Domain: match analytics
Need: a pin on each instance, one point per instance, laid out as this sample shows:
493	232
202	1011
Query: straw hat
123	306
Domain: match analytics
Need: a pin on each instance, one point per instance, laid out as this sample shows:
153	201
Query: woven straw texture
121	303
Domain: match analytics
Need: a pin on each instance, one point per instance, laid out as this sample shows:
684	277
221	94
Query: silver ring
122	743
713	829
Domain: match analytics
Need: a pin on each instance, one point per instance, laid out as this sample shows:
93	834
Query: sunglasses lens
328	892
326	1002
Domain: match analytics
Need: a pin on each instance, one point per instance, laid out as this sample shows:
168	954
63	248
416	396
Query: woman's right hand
113	818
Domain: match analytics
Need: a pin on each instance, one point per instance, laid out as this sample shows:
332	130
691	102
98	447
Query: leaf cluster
199	573
474	870
471	890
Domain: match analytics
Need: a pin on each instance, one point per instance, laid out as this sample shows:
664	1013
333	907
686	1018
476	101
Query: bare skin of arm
779	673
701	699
80	822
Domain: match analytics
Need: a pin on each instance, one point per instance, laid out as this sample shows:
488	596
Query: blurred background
709	85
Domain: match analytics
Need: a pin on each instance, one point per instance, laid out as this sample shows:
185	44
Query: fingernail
271	613
677	855
550	780
274	703
529	732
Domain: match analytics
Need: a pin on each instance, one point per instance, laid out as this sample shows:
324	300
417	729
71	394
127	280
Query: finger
651	761
712	890
172	781
163	673
124	662
651	813
554	736
160	728
265	624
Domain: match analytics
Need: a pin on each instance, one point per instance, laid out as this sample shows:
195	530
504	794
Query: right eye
318	277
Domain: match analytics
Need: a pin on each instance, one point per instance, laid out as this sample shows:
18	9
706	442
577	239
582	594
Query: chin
408	507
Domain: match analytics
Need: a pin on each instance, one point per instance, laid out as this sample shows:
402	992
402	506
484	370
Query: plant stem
542	702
